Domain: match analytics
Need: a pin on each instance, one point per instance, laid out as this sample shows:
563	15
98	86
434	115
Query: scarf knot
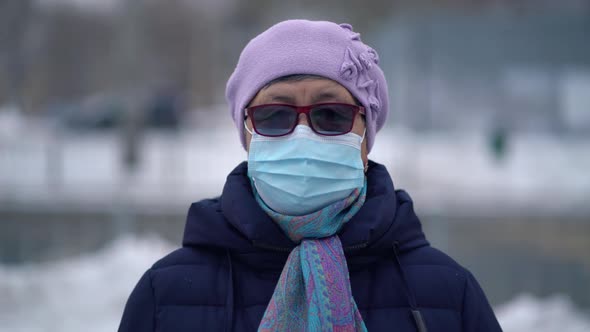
313	292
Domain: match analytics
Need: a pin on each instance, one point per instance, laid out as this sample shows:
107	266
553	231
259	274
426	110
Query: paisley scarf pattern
313	292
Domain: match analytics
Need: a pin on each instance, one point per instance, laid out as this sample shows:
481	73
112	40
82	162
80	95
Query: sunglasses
329	119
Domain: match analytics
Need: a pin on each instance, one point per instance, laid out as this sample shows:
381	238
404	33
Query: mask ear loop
247	129
245	124
366	168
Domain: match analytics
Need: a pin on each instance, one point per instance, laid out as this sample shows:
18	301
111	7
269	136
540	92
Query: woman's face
307	92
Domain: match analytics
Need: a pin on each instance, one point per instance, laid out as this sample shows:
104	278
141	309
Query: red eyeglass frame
306	110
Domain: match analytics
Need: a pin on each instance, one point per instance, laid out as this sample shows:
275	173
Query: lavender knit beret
310	47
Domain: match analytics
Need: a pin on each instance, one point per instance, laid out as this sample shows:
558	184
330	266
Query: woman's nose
302	120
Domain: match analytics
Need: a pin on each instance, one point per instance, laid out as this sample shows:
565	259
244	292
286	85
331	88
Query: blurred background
113	120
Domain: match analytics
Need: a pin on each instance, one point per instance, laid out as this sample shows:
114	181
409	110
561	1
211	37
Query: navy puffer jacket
233	253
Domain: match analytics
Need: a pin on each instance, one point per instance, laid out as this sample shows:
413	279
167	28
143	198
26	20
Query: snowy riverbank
451	172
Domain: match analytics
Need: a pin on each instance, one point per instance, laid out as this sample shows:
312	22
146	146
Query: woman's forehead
312	89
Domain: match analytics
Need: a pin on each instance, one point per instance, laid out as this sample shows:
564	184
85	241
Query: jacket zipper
269	247
356	246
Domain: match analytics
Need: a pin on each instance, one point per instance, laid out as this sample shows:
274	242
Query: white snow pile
88	293
555	313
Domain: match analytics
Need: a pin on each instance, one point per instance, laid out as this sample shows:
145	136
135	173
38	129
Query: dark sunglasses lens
332	119
274	120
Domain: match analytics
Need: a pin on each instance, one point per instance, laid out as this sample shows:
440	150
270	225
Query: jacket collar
236	222
386	217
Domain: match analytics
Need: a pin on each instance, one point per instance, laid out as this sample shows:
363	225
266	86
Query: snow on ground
555	313
88	293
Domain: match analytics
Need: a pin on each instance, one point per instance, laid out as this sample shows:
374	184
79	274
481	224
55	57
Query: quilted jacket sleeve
478	315
139	313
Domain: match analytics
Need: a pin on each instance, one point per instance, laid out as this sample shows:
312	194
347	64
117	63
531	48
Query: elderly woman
308	235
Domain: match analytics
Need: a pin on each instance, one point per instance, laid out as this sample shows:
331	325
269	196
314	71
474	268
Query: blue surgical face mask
304	172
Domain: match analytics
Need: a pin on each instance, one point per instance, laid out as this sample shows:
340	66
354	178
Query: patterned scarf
313	292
